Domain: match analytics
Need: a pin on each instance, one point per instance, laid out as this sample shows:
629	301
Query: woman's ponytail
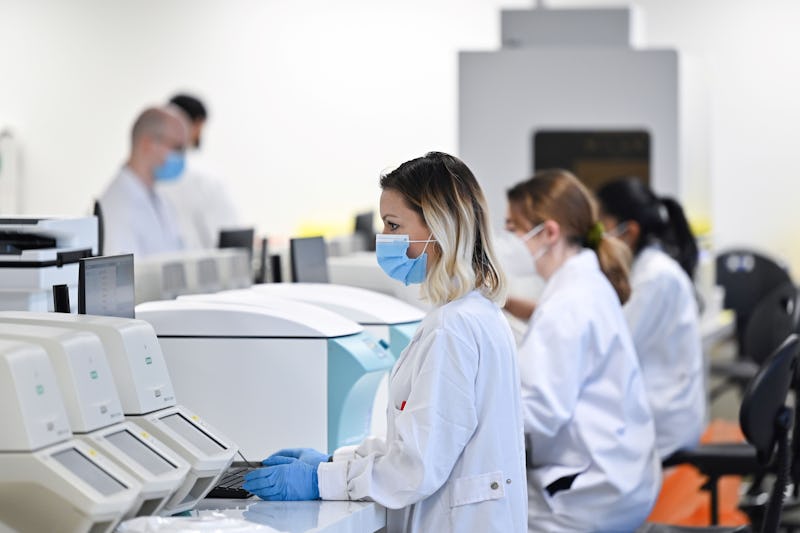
660	220
615	259
677	237
556	194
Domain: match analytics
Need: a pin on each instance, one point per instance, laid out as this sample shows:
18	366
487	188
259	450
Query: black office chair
765	421
775	317
716	461
747	276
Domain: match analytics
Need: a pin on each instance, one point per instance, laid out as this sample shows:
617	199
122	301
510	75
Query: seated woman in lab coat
453	459
592	463
662	310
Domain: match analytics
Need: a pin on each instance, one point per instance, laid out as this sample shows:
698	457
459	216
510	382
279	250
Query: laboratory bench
317	516
716	327
257	516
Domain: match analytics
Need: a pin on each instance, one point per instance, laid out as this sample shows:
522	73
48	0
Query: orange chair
683	501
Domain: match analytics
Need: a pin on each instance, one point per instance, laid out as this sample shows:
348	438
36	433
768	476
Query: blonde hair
445	193
558	195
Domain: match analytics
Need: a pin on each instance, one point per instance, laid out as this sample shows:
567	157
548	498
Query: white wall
751	50
310	99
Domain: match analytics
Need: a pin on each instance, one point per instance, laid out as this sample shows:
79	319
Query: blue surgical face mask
391	253
172	167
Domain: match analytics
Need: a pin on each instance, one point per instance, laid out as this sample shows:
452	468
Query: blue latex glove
283	479
307	455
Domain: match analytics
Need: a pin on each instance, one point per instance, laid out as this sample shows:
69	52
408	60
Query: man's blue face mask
391	253
171	168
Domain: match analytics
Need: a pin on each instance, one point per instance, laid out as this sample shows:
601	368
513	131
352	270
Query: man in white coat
202	203
136	219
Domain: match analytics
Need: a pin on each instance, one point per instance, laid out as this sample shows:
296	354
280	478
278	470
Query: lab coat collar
133	182
573	268
432	317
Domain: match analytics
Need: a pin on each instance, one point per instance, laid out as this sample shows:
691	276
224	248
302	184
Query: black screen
237	238
89	471
365	226
594	156
105	286
263	262
192	433
309	260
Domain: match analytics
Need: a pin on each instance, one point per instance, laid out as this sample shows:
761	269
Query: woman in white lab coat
453	459
662	310
592	462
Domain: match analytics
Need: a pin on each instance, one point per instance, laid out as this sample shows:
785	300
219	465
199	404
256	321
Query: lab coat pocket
474	489
557	493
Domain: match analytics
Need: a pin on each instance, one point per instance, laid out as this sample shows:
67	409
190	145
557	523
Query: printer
39	252
148	400
50	481
271	374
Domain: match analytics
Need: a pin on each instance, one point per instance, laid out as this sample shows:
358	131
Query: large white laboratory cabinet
570	89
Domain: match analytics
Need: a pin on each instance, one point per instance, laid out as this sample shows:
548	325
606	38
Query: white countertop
301	517
716	327
220	515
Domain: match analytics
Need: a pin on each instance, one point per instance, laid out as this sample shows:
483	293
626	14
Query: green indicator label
148	360
93	374
39	390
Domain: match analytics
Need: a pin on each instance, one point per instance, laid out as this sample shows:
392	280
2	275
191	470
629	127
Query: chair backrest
775	317
747	276
766	396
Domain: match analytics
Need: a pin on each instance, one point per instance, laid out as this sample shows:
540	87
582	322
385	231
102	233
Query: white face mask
533	233
513	255
538	254
618	230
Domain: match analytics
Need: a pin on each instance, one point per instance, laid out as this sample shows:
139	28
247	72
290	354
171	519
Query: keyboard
230	484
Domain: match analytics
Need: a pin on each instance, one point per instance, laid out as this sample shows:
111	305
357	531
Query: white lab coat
662	315
202	205
136	219
585	408
454	456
